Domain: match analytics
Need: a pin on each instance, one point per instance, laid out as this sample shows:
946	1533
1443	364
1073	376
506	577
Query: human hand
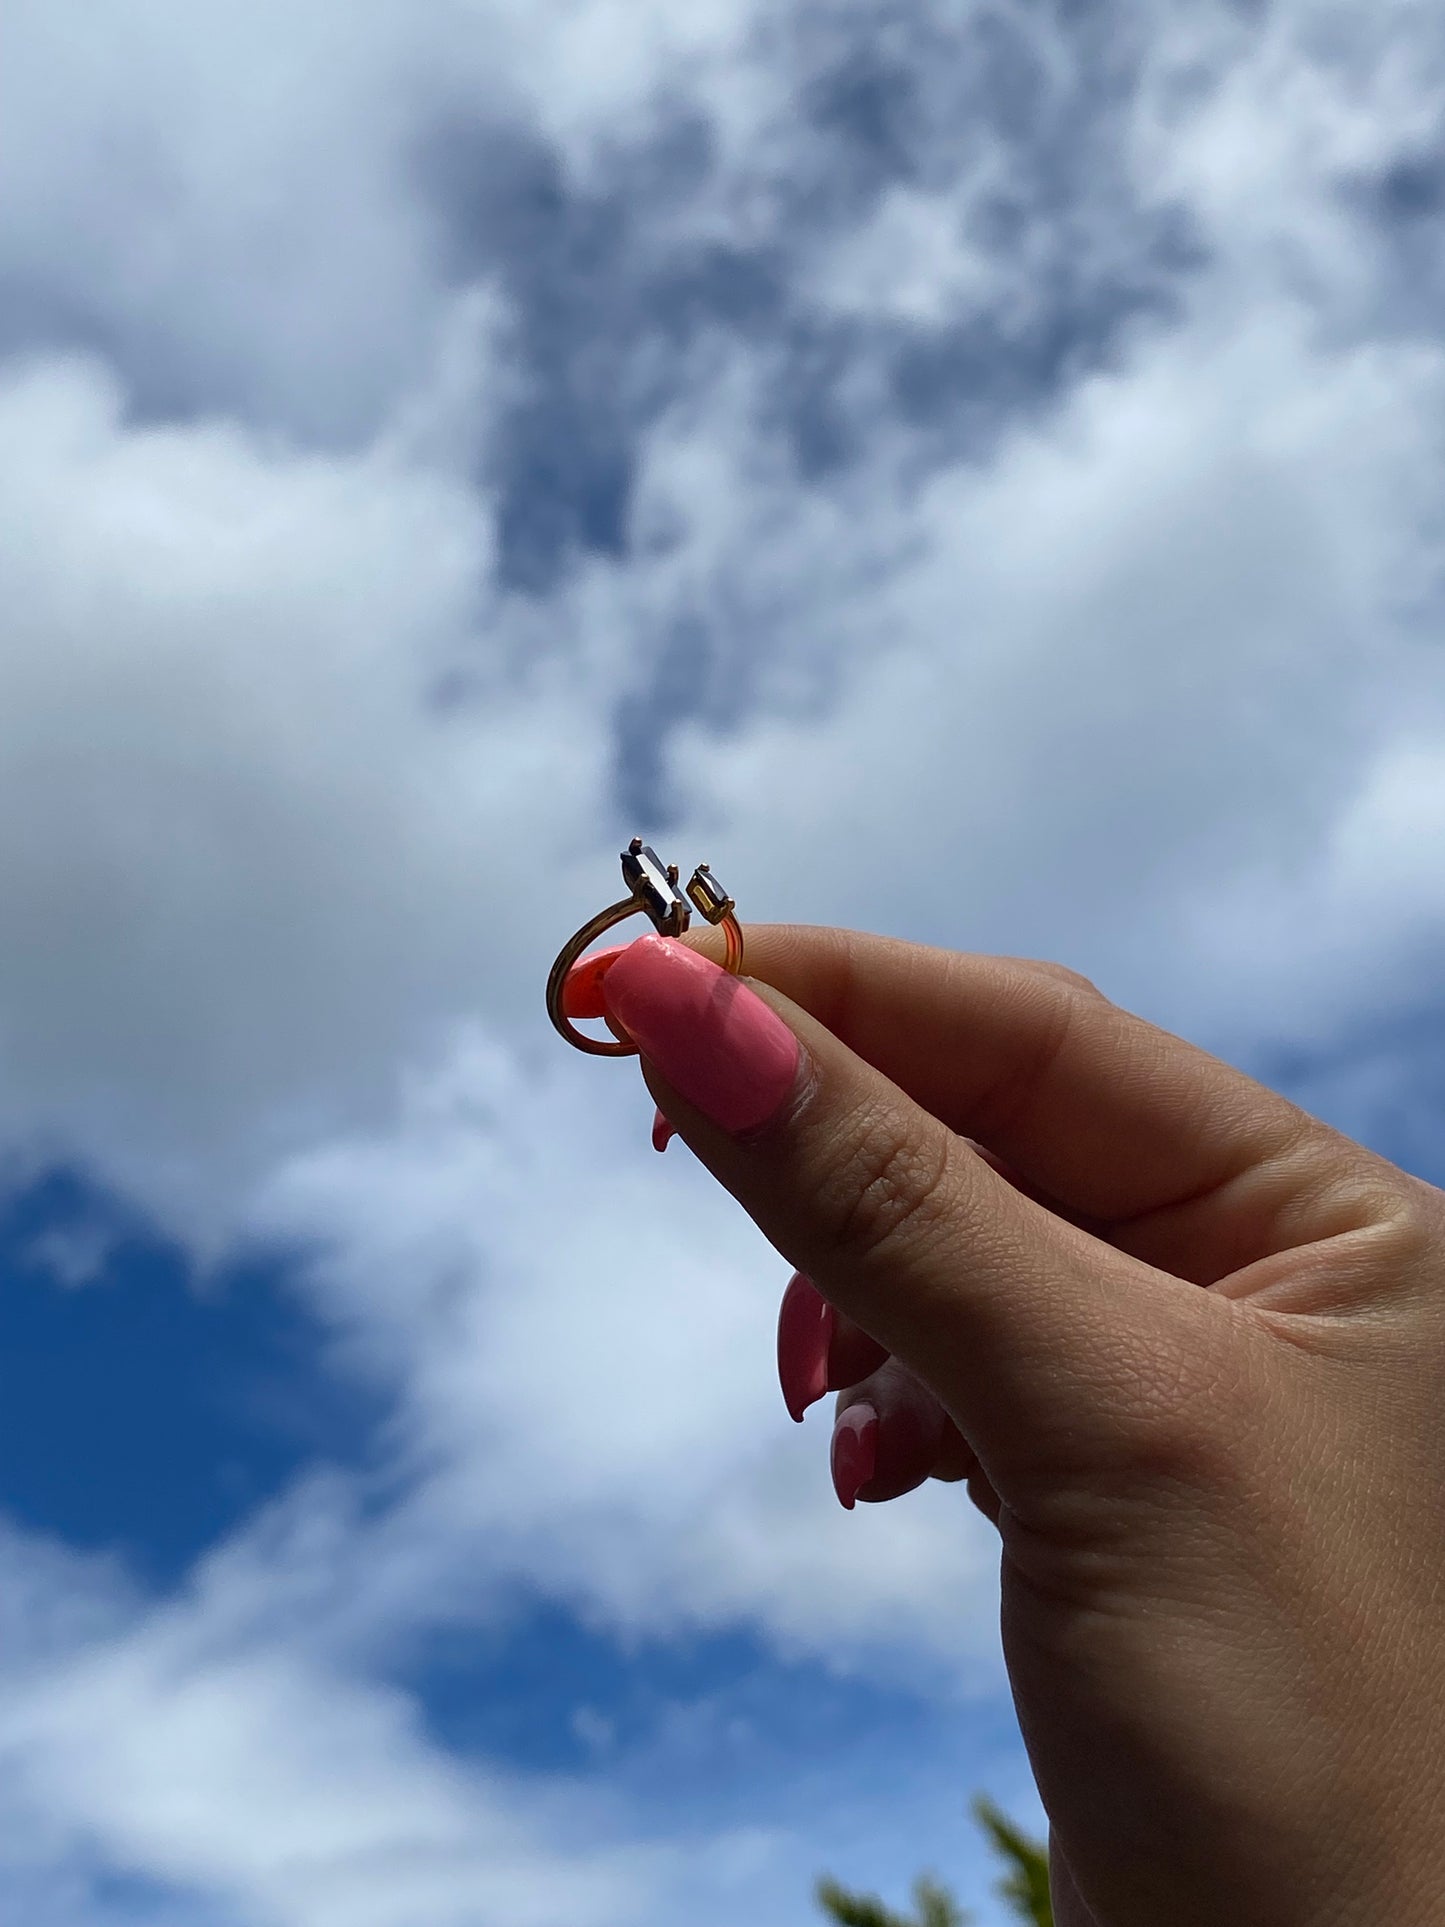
1186	1346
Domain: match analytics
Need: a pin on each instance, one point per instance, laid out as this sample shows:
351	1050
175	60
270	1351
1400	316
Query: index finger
1105	1112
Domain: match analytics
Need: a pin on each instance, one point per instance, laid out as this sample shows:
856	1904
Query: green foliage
936	1907
1025	1885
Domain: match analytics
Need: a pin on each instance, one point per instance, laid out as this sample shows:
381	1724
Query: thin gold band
572	950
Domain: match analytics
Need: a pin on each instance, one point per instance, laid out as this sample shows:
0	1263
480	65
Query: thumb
1055	1355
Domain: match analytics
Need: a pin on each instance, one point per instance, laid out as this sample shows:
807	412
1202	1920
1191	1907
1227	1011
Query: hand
1187	1347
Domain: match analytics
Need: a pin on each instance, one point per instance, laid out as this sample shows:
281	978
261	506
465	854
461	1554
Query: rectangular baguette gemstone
708	894
645	874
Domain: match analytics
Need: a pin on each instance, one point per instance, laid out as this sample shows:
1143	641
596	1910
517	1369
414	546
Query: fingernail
582	988
662	1132
712	1037
805	1334
855	1452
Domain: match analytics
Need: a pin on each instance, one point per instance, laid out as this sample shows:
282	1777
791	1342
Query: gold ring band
654	893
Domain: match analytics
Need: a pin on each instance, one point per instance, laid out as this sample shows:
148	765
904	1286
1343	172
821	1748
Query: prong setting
709	898
654	885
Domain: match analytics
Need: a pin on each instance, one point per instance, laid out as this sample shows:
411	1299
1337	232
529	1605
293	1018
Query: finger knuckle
892	1187
1062	974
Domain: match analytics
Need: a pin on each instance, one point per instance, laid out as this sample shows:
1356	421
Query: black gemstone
645	874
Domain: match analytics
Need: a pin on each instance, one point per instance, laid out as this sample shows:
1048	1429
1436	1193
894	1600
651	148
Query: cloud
1226	528
289	1795
211	224
250	857
172	1762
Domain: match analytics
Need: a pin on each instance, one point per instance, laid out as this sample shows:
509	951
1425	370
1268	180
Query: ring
652	891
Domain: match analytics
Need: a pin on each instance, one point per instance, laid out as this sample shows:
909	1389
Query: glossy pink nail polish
805	1336
855	1452
582	989
712	1037
662	1132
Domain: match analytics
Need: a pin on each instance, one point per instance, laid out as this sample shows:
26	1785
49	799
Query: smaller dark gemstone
707	893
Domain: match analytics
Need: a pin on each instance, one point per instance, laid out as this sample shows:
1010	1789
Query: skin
1186	1347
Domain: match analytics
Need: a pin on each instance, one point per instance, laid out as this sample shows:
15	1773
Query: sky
968	470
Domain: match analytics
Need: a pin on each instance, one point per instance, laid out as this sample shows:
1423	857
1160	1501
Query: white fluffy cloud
1154	649
201	1761
292	1795
242	1770
250	857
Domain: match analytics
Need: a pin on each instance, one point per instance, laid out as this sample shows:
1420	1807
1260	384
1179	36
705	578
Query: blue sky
967	470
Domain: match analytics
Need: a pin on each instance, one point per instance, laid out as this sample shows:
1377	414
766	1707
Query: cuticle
806	1085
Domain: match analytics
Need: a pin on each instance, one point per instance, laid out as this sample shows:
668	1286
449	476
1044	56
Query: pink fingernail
662	1132
708	1033
582	987
855	1452
805	1335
